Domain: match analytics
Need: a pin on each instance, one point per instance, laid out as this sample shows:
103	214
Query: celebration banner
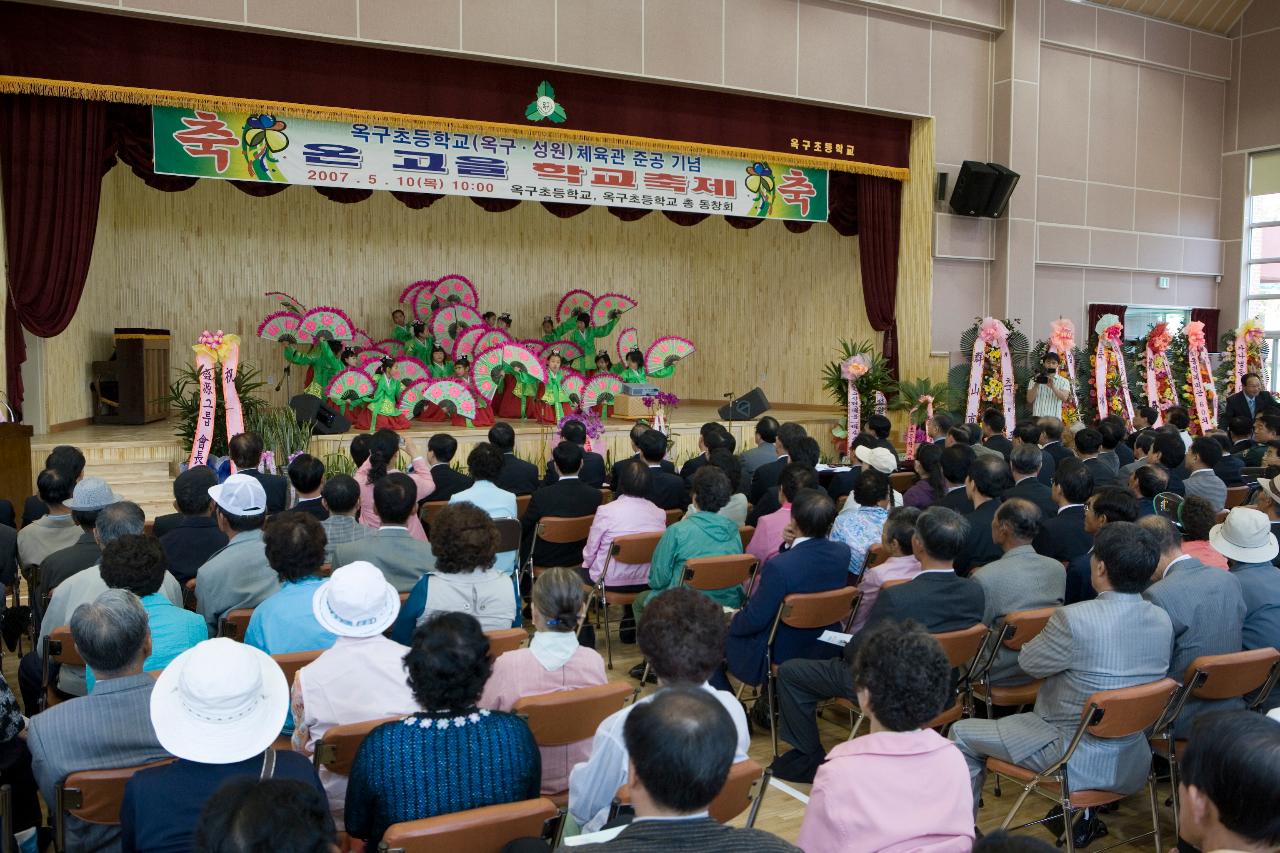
265	148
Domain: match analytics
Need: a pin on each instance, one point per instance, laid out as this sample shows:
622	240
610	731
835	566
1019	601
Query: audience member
859	526
1247	542
931	487
767	539
1180	420
568	497
736	509
1025	462
1117	641
245	451
1020	580
1251	400
91	495
1168	450
937	428
237	576
1051	432
1145	483
1200	481
1062	536
341	496
1267	500
765	451
306	473
993	433
360	446
804	452
486	464
286	621
450	756
1266	429
384	447
193	537
1002	841
987	481
1115	431
903	785
710	437
1229	793
766	476
516	475
249	815
703	533
637	430
217	708
1196	519
880	428
70	462
360	677
1088	445
936	598
464	580
111	728
1230	469
553	661
1205	606
813	563
682	637
1240	431
592	470
1028	432
956	461
441	448
666	489
392	546
899	562
1141	447
54	530
1105	506
842	483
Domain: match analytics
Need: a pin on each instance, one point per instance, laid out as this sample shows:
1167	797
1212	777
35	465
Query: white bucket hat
356	601
1269	486
240	494
219	702
880	458
1245	536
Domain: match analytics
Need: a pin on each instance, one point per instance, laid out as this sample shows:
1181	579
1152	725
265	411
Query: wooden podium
129	389
15	464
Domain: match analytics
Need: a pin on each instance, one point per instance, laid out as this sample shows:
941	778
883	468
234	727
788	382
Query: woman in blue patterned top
451	756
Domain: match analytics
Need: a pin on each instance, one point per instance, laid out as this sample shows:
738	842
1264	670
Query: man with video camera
1048	389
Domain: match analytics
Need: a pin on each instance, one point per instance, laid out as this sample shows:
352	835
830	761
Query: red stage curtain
53	153
797	226
416	201
685	218
258	189
879	208
494	205
564	209
743	222
1096	310
1208	316
629	214
842	203
130	128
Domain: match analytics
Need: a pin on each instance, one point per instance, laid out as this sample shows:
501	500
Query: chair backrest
291	662
745	532
709	573
483	830
509	533
505	640
635	548
95	796
522	503
1231	675
61	648
428	511
840	502
234	623
817	609
606	494
1024	625
961	646
337	749
900	481
1128	710
1236	495
568	716
674	515
740	788
1220	517
561	531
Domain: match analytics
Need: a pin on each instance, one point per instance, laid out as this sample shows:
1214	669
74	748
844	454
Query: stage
140	462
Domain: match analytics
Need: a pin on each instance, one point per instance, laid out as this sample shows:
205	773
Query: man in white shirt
484	463
1048	389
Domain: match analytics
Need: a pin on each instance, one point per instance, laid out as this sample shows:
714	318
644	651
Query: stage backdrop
764	306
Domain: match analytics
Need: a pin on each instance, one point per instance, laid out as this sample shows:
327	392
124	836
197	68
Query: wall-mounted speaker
983	189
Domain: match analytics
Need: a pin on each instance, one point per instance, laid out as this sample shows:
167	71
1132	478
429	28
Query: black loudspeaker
323	419
973	188
748	407
1006	180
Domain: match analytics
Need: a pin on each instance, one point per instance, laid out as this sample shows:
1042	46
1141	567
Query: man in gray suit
763	453
1020	580
1116	640
1247	542
239	575
1141	447
1205	606
1202	456
108	729
402	559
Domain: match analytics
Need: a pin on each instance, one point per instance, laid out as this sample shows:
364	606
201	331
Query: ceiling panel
1216	16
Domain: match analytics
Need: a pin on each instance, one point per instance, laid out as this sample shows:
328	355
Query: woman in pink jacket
901	787
384	447
554	661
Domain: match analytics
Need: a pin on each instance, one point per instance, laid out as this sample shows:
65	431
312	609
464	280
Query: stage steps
148	483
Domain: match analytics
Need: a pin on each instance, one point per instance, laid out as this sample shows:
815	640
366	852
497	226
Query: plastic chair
568	716
713	573
606	495
674	515
93	796
1107	714
1236	495
337	749
1212	677
6	819
1019	628
505	640
58	648
428	511
509	534
744	788
291	662
634	548
745	532
484	830
559	531
234	623
900	481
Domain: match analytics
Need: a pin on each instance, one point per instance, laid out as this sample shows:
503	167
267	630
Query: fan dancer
323	361
439	363
350	358
551	332
383	406
484	414
420	344
400	329
604	364
584	335
635	373
554	395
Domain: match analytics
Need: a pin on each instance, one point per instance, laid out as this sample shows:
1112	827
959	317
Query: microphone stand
729	406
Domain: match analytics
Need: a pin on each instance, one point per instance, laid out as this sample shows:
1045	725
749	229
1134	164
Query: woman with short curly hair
903	785
464	541
449	757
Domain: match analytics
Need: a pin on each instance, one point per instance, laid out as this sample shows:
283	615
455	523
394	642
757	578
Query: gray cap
92	493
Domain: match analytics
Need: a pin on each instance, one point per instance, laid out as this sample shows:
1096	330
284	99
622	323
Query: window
1139	320
1262	250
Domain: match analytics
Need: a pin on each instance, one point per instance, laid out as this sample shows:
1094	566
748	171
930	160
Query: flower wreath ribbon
991	332
1198	365
853	369
1249	334
910	437
210	349
1109	341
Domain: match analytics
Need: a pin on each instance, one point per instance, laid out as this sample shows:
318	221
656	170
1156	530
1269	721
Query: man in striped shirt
1048	389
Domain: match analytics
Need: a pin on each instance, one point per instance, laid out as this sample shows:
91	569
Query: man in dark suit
1251	401
1106	505
805	452
65	458
1051	429
441	448
938	426
1024	463
956	461
1168	450
843	483
1028	432
568	497
993	426
517	476
988	479
245	450
1115	453
766	478
1240	431
194	536
306	473
1144	484
710	437
1144	419
936	598
639	429
878	429
592	472
666	490
1266	429
1062	536
1088	446
1230	467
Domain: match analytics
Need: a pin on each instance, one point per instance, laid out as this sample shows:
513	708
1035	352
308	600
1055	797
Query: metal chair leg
755	804
1068	828
1155	808
1174	773
608	641
770	692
